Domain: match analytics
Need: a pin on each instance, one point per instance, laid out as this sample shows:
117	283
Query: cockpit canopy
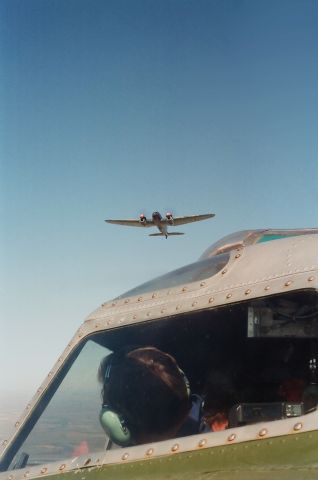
250	237
214	259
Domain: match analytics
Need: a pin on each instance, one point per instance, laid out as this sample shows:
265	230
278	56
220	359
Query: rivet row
195	302
150	451
203	283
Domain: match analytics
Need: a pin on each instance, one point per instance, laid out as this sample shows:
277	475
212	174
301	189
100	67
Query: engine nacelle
169	217
142	219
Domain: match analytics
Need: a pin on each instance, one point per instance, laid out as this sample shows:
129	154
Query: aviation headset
112	421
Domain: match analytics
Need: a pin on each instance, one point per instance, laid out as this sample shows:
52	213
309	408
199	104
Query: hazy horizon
12	405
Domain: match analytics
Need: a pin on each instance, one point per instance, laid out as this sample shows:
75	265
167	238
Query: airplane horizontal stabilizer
163	234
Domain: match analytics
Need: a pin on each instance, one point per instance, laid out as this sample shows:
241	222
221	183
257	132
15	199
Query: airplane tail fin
165	235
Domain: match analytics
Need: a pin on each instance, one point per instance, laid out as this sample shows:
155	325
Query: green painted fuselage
292	457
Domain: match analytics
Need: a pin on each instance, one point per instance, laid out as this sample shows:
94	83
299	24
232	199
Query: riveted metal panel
291	457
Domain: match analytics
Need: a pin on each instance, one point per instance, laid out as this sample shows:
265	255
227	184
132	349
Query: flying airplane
161	223
242	324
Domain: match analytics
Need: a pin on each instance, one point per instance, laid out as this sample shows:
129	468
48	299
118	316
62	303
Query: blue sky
112	108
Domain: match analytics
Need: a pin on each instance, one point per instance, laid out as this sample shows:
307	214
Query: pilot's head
146	396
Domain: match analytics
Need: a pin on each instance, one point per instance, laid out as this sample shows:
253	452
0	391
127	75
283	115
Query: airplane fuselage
157	220
243	323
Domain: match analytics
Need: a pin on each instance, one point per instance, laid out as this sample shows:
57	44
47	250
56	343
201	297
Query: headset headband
116	358
108	370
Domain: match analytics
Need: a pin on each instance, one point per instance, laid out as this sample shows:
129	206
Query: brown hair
148	388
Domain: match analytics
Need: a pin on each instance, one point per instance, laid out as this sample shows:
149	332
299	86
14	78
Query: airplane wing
191	218
131	223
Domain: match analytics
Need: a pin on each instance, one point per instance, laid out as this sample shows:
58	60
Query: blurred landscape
69	423
68	427
11	406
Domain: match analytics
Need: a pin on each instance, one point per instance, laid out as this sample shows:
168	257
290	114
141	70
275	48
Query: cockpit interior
249	362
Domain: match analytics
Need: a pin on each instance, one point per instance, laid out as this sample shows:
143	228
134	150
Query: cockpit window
250	237
69	426
197	372
270	237
190	273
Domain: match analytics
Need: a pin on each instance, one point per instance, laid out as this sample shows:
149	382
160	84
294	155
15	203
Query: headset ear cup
115	427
